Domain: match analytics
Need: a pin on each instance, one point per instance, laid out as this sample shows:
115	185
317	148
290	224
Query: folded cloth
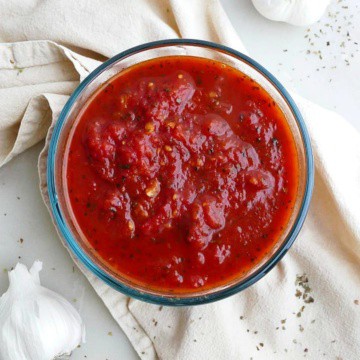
309	304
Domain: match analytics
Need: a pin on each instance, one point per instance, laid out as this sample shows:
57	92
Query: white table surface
329	77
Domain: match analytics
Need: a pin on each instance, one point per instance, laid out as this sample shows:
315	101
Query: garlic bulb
295	12
35	322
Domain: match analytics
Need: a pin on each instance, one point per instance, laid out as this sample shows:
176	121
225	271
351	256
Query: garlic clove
35	322
35	270
295	12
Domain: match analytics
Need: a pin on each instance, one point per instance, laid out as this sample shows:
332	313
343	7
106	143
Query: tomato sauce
181	173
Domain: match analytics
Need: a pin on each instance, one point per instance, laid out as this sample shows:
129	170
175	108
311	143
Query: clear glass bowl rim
178	300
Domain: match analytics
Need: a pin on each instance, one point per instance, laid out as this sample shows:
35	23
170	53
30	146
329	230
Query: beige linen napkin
309	304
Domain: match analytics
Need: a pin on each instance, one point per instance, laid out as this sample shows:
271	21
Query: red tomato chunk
182	173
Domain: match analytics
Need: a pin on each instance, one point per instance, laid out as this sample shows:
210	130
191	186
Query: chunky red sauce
181	173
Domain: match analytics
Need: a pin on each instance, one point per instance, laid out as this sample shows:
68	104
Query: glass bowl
55	167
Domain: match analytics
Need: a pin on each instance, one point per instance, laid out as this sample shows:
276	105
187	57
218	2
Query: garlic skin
295	12
35	322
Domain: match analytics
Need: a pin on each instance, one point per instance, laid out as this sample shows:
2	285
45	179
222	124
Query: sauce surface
181	173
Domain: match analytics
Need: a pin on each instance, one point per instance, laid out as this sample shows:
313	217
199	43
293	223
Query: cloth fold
309	303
